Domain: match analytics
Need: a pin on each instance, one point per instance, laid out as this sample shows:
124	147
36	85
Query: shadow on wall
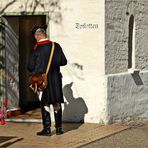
75	108
53	6
137	79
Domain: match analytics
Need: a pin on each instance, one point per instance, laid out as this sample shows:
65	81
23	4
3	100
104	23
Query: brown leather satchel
38	82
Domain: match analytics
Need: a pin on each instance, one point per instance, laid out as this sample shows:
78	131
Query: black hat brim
37	27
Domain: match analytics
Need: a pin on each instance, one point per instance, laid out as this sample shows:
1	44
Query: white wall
86	48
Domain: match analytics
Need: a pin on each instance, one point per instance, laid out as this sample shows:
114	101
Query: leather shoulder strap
50	58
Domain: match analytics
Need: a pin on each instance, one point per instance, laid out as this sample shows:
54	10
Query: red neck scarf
41	43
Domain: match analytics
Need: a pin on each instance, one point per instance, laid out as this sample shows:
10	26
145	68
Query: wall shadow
53	6
137	79
74	109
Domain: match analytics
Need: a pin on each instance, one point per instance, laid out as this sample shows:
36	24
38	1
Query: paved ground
130	138
23	135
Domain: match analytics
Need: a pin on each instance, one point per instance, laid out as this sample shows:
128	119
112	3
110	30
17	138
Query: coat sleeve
31	61
62	58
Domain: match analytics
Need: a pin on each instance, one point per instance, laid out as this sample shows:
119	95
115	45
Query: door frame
46	13
19	14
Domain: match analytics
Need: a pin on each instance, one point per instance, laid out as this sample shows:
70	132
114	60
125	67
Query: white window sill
133	71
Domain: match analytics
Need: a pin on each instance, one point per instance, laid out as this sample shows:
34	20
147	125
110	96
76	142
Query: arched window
131	43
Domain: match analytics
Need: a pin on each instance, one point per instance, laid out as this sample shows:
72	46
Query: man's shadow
74	109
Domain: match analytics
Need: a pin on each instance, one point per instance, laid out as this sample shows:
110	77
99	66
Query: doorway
24	42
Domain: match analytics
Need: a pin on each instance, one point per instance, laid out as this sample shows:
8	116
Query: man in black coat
53	94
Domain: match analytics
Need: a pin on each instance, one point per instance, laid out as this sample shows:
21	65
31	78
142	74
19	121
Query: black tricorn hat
34	29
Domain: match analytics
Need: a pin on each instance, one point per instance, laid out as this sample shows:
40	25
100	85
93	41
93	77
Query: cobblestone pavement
23	135
135	137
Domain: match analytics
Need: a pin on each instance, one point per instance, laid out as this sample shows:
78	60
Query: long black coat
37	63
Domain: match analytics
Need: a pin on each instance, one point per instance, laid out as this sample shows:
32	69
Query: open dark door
22	26
26	42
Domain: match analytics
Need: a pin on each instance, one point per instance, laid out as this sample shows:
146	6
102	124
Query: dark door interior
22	26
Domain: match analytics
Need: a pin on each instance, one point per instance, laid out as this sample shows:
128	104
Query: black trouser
47	120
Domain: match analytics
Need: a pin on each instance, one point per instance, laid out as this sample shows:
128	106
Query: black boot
58	121
59	131
44	132
46	123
